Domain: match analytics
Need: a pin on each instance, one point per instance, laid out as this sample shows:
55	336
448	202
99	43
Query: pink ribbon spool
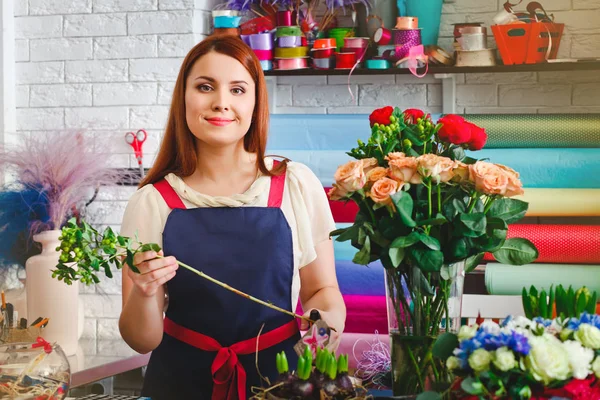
405	37
407	22
382	36
322	53
284	18
292	63
345	60
264	55
356	42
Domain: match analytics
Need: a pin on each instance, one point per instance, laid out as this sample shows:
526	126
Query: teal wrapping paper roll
539	130
503	279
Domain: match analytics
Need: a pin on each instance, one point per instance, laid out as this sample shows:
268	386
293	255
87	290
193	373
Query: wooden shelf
542	67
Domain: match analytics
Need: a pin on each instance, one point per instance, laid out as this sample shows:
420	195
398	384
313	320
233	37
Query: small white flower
452	363
589	336
467	332
504	359
491	327
580	358
479	360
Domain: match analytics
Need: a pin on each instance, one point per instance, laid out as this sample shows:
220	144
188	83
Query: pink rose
368	164
395	155
376	174
488	178
440	169
350	177
461	171
404	169
514	186
335	193
383	189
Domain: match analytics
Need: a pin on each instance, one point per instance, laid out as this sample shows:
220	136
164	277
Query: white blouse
305	206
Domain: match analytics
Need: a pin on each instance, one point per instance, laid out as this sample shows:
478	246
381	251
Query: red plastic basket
530	43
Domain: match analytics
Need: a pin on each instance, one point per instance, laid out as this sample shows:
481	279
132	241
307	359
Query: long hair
177	153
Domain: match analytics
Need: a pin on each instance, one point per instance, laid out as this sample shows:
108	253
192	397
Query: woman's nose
221	102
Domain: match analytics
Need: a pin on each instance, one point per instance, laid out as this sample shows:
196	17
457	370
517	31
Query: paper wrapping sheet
562	244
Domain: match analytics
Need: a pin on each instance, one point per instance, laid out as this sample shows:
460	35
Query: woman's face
219	100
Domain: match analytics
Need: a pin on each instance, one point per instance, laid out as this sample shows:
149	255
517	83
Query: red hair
177	152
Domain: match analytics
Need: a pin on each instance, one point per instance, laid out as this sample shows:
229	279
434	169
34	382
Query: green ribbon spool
377	64
288	31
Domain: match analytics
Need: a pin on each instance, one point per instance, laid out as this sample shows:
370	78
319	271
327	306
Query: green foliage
569	303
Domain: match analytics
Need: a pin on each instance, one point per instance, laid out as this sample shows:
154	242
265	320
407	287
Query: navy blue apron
208	350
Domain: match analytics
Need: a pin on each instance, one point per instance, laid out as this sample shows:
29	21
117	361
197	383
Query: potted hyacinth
429	213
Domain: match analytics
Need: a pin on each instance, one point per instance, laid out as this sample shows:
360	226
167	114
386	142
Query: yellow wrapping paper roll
562	202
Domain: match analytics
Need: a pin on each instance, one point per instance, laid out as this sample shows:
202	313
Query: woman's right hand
154	272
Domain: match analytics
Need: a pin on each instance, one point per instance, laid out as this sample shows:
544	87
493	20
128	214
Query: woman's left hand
333	321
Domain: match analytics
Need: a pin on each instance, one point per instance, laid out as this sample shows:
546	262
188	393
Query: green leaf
439	219
406	241
471	386
364	255
527	306
429	396
551	302
404	207
338	232
475	224
426	259
456	153
459	248
150	247
445	345
396	256
516	251
109	250
473	261
454	207
580	306
95	264
121	240
448	271
424	284
361	236
107	270
507	209
591	306
543	304
129	260
429	241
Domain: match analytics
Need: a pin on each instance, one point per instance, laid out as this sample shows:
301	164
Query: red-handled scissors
136	140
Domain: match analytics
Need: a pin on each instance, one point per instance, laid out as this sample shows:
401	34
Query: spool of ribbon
406	37
289	41
416	54
291	52
345	60
382	36
438	55
245	39
292	63
407	22
226	21
359	52
226	31
386	51
377	64
356	42
264	55
472	41
284	18
322	63
476	58
322	53
325	43
266	65
225	13
261	41
288	31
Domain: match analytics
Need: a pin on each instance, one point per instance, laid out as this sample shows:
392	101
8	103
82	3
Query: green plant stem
416	366
472	202
429	206
439	198
488	204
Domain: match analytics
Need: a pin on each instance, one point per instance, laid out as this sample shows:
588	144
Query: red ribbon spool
345	60
322	53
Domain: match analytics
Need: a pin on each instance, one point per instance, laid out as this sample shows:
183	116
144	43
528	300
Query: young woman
213	200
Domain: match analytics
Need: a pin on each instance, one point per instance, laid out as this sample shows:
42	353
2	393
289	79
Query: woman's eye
204	88
237	91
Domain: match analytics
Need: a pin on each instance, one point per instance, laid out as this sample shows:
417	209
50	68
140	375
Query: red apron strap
169	195
276	190
229	375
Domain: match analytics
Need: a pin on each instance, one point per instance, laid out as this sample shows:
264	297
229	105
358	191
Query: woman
215	202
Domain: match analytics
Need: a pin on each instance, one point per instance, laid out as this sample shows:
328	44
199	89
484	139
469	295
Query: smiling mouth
219	121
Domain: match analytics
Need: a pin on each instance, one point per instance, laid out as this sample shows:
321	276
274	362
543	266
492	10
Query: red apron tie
229	375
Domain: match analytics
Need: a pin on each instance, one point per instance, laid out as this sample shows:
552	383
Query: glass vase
420	307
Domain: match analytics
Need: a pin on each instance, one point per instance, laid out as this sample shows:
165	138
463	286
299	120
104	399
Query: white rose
596	367
467	332
504	359
589	336
580	358
548	360
452	363
479	360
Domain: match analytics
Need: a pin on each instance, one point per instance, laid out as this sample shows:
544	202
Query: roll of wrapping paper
539	130
503	279
562	202
291	52
562	244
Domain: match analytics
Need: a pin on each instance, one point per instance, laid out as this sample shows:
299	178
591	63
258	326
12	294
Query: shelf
542	67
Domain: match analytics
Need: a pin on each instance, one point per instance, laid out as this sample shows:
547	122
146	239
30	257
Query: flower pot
50	298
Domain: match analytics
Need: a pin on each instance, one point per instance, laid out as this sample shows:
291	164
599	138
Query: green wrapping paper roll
503	279
539	130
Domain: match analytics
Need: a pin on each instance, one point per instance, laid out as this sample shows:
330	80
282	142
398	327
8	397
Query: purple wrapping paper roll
261	41
289	41
404	39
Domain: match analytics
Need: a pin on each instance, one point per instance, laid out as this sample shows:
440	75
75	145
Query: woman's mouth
219	121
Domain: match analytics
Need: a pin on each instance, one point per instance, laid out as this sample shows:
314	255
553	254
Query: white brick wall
108	66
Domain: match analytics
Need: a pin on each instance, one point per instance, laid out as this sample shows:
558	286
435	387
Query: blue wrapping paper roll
539	168
364	280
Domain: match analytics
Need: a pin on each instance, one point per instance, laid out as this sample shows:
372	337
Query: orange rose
395	155
376	174
368	164
488	178
440	169
514	186
335	193
383	189
404	169
461	171
350	177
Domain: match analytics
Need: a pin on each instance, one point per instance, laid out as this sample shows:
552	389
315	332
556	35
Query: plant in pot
51	178
429	213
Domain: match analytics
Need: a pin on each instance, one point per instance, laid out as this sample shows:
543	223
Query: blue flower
545	322
519	343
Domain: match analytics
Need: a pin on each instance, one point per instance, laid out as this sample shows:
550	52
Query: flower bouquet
526	358
429	213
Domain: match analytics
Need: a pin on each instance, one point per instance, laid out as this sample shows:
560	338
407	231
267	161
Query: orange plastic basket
530	43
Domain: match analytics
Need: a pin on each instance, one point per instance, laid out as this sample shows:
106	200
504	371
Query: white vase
50	298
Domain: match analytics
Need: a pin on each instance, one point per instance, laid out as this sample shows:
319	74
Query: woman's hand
154	272
333	321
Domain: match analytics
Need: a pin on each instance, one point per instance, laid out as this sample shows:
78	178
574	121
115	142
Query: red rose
478	137
454	129
381	116
411	115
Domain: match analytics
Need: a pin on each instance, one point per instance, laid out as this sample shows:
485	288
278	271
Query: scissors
136	140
